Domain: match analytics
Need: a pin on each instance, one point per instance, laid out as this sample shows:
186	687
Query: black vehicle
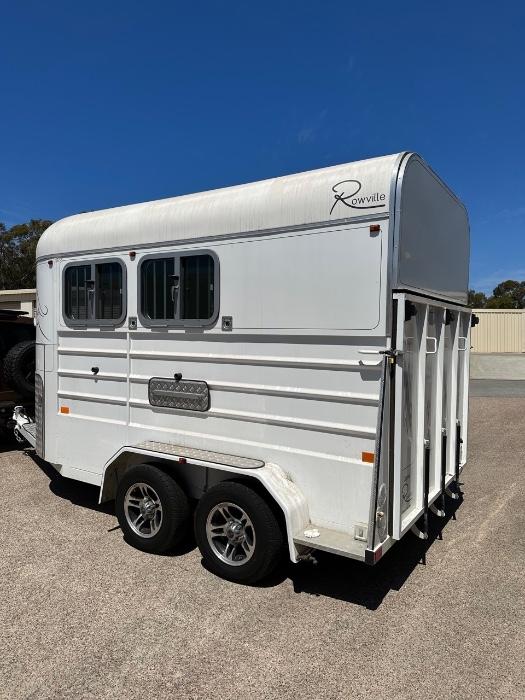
17	365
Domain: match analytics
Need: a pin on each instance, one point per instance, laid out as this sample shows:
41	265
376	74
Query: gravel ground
497	387
83	615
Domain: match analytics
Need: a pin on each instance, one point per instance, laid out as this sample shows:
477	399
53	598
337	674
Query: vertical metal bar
372	518
453	390
197	269
443	466
156	271
74	285
458	454
178	306
111	291
426	477
398	416
165	288
391	425
94	293
439	388
463	409
84	289
422	328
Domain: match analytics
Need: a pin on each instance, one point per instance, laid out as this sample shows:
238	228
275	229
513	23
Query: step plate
190	453
333	541
29	432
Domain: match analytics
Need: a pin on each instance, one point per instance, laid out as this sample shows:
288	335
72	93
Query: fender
284	492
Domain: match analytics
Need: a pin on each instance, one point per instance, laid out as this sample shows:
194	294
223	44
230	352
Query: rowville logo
346	191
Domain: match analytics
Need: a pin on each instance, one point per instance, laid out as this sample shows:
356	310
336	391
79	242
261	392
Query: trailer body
309	333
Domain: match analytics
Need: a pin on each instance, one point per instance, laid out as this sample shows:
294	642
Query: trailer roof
343	192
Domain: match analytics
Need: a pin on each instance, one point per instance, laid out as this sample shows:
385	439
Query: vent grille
39	415
186	394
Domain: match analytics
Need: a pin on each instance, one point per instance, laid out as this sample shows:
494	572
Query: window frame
178	322
94	322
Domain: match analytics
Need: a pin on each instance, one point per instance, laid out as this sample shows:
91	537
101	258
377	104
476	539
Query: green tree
476	300
508	295
17	253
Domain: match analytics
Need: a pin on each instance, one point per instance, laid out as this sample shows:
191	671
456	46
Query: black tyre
238	534
152	509
19	367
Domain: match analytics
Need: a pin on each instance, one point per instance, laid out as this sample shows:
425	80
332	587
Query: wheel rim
230	534
143	509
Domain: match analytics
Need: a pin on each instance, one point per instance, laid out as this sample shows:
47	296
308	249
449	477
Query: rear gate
431	404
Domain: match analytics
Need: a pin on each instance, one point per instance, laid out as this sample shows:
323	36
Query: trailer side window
93	294
178	290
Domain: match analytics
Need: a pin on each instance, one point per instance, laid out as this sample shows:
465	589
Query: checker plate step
202	455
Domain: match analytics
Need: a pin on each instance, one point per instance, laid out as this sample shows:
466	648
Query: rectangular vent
184	394
39	415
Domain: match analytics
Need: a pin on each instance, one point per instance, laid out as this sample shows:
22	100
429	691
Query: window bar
154	290
197	267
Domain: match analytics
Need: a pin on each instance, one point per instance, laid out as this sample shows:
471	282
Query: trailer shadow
86	496
332	576
7	445
76	492
367	586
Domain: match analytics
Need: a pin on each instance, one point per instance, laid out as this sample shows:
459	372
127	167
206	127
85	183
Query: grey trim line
79	324
178	322
221	237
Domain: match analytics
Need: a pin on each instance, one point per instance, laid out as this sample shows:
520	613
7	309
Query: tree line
18	270
506	295
17	253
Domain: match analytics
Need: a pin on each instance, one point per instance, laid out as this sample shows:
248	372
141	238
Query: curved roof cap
340	192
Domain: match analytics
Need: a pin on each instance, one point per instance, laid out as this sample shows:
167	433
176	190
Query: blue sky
107	103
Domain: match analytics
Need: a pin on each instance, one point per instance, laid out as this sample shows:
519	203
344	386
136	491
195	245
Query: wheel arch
269	480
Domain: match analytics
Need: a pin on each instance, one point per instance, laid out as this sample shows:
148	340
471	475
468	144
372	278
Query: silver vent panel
185	394
39	415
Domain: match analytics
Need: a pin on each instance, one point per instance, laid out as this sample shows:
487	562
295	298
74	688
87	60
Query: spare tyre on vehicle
19	367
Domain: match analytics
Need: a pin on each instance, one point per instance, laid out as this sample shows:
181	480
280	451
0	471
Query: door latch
391	354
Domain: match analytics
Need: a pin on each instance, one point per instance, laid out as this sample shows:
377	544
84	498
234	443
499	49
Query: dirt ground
83	615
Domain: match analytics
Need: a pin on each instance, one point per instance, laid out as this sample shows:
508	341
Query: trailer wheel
238	534
19	367
152	509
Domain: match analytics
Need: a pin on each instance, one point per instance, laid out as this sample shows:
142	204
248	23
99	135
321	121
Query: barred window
178	289
93	293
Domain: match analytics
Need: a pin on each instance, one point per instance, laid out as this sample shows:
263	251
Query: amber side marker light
368	457
64	409
375	228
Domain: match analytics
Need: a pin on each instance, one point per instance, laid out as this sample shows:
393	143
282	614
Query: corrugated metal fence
499	330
